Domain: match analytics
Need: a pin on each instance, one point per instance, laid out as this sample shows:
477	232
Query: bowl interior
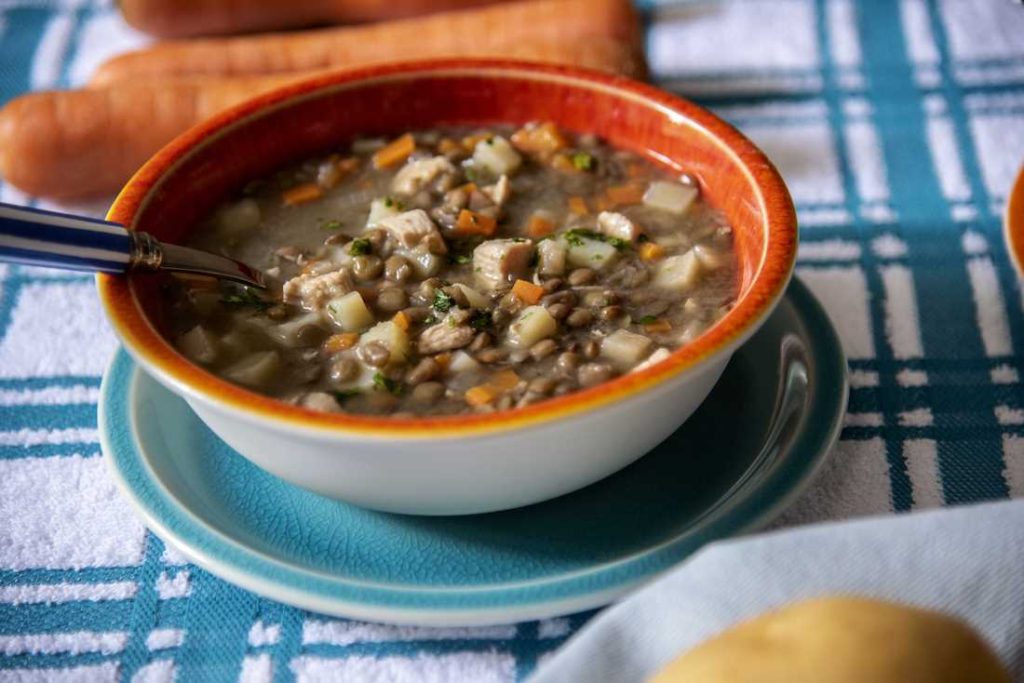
188	179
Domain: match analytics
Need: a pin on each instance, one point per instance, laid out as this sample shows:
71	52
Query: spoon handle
43	238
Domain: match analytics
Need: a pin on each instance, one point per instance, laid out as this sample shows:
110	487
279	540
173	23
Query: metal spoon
56	240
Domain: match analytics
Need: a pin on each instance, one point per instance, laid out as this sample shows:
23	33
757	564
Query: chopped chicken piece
500	191
313	291
415	175
614	224
444	337
498	262
410	228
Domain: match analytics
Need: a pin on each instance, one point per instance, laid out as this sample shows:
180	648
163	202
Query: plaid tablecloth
898	125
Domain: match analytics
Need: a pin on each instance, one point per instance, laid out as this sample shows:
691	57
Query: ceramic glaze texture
474	463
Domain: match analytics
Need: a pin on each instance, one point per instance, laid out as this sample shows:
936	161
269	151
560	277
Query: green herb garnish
471	174
462	259
430	319
331	225
582	161
576	236
618	243
342	396
442	302
245	297
383	383
480	319
360	247
648	320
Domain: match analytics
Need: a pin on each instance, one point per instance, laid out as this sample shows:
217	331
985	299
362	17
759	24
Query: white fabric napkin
966	561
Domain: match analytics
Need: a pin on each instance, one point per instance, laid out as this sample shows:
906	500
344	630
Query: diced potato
656	357
239	217
256	371
497	155
671	197
462	362
678	272
199	345
551	257
533	324
424	263
320	401
393	336
287	333
380	209
499	192
349	312
625	349
475	298
593	254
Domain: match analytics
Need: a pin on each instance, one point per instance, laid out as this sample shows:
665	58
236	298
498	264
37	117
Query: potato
841	640
624	349
679	272
393	336
462	362
349	312
594	254
671	197
423	262
256	370
496	155
199	345
533	324
551	257
475	298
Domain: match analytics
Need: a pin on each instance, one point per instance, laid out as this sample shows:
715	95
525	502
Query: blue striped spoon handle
56	240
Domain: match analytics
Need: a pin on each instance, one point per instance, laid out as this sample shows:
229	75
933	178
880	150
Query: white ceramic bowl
474	463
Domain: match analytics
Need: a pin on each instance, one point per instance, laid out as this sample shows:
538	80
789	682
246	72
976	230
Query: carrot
659	325
578	206
402	320
395	153
340	342
543	138
447	146
444	360
593	27
473	223
184	18
539	227
527	292
649	251
504	380
630	193
300	194
563	164
480	395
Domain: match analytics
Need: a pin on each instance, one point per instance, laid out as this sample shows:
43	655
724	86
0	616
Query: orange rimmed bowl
481	462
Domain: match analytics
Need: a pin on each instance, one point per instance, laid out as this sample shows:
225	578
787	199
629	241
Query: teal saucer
752	446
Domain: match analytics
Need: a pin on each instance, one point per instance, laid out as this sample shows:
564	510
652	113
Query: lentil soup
456	270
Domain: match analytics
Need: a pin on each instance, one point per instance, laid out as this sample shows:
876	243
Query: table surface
899	127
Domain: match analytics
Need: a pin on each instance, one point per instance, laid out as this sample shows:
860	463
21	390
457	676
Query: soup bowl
464	463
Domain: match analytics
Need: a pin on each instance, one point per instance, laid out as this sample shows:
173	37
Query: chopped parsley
245	297
382	383
342	396
461	259
471	174
360	246
480	319
576	236
331	225
618	243
430	319
648	320
442	302
582	161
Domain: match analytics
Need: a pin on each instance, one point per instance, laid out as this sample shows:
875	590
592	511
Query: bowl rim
165	363
1013	223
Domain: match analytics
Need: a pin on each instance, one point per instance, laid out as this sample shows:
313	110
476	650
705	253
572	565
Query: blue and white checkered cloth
899	126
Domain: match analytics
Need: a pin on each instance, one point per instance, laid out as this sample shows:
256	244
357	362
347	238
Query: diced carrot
447	146
539	226
348	165
503	381
444	360
602	203
402	320
659	325
634	169
468	188
562	162
630	193
480	395
470	141
543	138
527	292
473	223
300	194
578	205
395	152
649	251
340	342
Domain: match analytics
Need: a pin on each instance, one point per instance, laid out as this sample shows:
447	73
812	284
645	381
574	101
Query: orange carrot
578	205
340	342
397	151
527	292
503	380
444	360
300	194
649	251
539	226
473	223
630	193
183	18
447	146
501	30
659	325
480	395
543	138
402	320
563	164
